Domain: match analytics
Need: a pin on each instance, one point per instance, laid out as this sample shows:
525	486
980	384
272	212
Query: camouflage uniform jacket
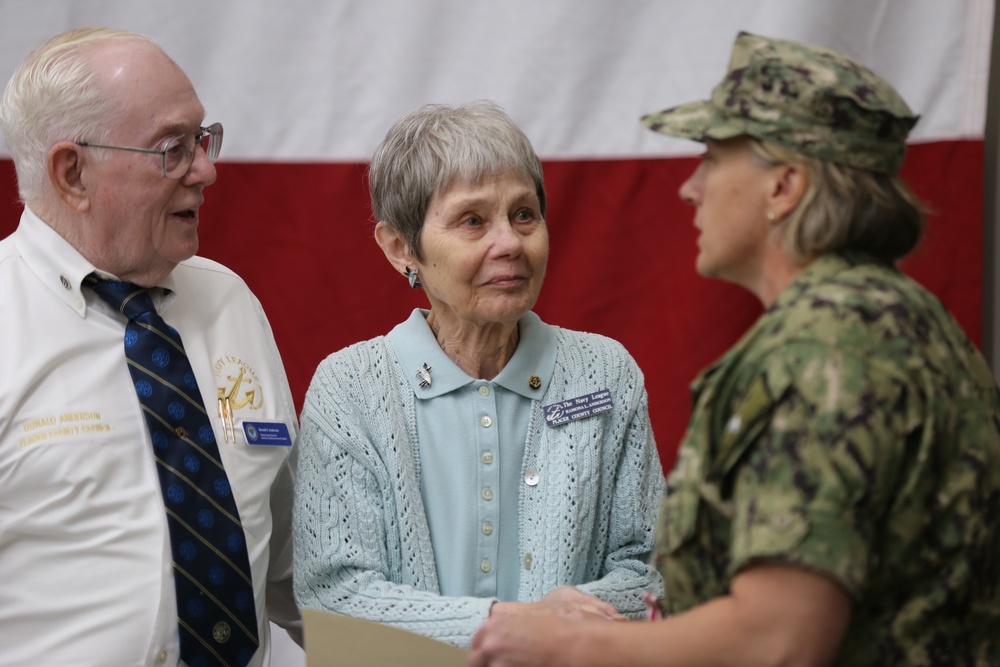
854	431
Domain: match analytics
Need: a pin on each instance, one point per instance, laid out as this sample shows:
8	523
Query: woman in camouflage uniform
832	497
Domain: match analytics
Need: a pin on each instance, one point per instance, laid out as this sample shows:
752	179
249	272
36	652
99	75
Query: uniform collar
821	270
415	345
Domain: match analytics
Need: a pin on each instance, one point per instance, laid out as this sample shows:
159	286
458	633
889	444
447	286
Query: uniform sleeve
828	429
353	554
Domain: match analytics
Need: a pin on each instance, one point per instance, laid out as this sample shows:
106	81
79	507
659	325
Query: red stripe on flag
621	263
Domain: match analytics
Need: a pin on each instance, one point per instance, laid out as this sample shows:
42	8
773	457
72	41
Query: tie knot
128	299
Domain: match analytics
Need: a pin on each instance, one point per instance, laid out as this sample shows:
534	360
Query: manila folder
333	640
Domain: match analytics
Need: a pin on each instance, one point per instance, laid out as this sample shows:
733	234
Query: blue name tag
267	433
578	408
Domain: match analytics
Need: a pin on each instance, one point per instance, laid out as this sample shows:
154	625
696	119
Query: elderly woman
475	461
835	498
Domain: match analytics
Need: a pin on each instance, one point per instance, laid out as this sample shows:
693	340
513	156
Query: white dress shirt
84	549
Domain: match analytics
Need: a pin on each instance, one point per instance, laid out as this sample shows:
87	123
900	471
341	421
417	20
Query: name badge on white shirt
274	434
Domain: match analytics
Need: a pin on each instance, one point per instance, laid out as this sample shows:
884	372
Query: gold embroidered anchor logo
240	388
232	395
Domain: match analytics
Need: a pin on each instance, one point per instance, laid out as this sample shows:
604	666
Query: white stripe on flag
302	80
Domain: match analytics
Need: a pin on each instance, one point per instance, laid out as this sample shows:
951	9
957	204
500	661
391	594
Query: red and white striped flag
306	90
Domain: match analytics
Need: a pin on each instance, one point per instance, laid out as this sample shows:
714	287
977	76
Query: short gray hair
55	96
426	150
846	208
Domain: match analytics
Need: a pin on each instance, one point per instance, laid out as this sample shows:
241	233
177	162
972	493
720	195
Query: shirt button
484	390
531	477
487	457
161	656
528	559
486	421
488	493
485	566
487	528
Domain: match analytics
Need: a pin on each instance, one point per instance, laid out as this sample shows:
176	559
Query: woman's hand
527	639
564	601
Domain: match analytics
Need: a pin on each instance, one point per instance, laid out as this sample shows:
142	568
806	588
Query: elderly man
145	418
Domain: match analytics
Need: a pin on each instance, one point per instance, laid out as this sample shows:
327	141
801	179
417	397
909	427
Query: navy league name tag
267	433
580	407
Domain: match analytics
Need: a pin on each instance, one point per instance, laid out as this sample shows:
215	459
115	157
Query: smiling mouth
189	214
508	281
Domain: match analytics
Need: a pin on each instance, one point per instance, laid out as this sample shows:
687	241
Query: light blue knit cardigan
362	545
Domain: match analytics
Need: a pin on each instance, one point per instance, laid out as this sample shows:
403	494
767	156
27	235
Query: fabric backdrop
306	89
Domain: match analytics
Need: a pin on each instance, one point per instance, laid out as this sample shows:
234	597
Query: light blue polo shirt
471	441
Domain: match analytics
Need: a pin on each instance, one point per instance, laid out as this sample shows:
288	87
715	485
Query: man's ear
787	189
395	247
66	166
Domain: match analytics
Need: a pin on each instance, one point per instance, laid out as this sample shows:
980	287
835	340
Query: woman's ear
395	247
787	189
66	167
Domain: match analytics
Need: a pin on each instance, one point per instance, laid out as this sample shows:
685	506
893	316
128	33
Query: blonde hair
845	208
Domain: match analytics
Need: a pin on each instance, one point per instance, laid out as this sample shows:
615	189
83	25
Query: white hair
55	96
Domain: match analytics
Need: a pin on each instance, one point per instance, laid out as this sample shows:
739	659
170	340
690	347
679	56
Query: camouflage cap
809	99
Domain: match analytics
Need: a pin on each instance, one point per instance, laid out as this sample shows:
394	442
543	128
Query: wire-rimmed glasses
177	153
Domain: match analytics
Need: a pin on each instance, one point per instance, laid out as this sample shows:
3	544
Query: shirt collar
61	267
415	346
58	265
535	357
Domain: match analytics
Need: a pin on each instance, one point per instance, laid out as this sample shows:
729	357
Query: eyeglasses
177	153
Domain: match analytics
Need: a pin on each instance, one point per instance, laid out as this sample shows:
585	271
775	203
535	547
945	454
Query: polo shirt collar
415	346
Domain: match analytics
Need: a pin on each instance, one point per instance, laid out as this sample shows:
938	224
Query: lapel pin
425	376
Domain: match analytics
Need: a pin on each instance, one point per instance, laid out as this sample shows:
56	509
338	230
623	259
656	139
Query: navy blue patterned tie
216	616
